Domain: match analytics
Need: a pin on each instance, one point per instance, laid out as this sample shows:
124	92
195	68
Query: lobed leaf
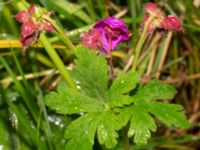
141	123
120	100
91	73
106	130
68	101
124	83
155	90
81	132
169	114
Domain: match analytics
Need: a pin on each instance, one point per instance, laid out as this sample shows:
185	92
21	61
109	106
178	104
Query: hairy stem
111	68
141	42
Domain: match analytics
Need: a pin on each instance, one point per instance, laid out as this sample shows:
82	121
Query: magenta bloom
113	31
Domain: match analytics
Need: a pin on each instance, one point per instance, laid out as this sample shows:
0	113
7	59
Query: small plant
103	110
106	106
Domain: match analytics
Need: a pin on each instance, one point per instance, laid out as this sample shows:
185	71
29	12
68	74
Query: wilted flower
91	39
106	35
32	25
159	19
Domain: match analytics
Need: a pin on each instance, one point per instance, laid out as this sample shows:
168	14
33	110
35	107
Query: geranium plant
106	106
126	105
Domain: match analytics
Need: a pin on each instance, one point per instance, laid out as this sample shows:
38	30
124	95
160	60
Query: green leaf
124	83
91	73
141	123
155	90
169	114
68	101
120	100
106	130
81	132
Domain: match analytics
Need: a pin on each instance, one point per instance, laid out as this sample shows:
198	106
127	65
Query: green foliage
105	111
155	90
91	73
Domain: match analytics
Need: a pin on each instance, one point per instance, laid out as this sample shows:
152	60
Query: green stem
61	33
141	42
57	61
125	138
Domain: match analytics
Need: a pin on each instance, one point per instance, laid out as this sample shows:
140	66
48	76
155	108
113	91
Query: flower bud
31	9
150	8
48	27
27	41
27	28
172	24
22	16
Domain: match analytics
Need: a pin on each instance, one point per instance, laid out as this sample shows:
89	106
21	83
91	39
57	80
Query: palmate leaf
81	132
141	123
123	84
91	73
105	111
68	101
155	90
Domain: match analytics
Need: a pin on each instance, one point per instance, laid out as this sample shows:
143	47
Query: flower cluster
160	20
32	25
106	35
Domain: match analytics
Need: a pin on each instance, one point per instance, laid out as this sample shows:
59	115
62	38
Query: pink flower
113	31
91	39
106	35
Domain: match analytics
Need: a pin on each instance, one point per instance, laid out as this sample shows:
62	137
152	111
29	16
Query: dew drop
122	82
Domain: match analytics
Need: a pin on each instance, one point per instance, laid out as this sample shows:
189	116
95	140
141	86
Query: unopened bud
48	27
172	24
31	9
150	8
22	16
27	28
